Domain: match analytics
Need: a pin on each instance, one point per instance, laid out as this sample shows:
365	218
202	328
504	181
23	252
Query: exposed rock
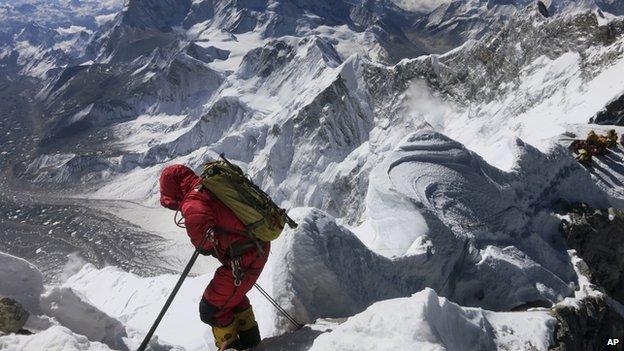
612	114
587	326
598	237
543	10
12	316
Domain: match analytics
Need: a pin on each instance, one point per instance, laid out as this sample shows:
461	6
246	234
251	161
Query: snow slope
60	317
425	321
37	37
53	338
321	269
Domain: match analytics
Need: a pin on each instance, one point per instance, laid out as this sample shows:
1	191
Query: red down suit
202	211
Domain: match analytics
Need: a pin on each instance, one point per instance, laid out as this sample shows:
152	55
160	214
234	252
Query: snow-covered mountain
421	145
39	36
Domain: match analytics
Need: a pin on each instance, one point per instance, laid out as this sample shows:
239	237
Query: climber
593	145
224	304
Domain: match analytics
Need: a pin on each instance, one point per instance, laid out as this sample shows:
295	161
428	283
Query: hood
175	182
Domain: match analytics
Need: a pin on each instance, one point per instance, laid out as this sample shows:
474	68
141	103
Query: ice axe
183	276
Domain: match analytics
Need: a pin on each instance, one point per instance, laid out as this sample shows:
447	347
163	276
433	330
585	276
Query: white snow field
62	318
426	321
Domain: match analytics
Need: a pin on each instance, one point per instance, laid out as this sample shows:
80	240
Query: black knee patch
207	312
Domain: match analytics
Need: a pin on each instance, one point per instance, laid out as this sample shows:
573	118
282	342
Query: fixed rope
290	318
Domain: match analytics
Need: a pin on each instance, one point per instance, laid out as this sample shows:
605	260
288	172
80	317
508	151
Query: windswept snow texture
485	226
136	301
427	322
70	310
53	338
490	238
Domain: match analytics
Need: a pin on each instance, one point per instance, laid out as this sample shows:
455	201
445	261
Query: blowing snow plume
423	104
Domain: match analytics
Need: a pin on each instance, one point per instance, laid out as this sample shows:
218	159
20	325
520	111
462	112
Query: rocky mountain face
172	80
612	114
158	42
37	37
613	6
12	316
586	326
597	237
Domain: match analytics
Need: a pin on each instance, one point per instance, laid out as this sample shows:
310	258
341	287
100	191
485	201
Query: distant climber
593	145
224	304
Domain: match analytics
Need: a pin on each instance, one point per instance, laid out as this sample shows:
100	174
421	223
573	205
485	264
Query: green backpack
262	217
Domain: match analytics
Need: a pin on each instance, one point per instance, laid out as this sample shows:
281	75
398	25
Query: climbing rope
236	272
290	318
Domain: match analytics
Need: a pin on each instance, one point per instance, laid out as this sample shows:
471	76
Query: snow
135	301
60	317
53	338
70	310
109	307
388	213
20	281
238	44
561	97
72	30
103	19
463	210
148	130
425	321
420	5
423	192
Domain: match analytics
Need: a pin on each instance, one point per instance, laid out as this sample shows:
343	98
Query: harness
235	251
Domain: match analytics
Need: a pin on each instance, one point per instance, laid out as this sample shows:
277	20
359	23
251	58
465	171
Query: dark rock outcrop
587	326
543	10
12	316
612	114
598	238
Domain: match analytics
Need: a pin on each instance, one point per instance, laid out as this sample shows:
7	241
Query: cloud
423	104
420	5
73	265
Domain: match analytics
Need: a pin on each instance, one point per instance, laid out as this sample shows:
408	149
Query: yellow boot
226	336
248	332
